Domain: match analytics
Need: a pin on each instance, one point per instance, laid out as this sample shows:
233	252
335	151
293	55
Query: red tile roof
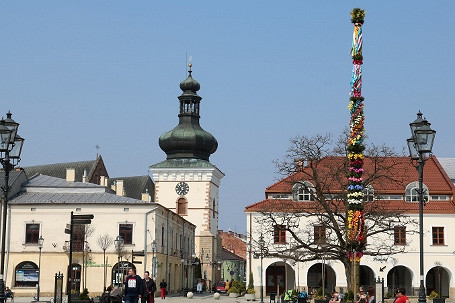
401	172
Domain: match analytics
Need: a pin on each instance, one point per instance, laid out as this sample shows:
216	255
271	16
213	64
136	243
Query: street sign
79	221
137	262
83	217
140	253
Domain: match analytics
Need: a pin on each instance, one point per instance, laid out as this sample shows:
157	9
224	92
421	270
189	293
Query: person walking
163	286
149	289
133	287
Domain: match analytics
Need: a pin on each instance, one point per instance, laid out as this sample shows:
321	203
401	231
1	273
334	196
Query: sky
77	74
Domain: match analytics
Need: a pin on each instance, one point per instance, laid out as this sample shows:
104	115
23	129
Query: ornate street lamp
261	254
119	243
420	146
40	246
10	151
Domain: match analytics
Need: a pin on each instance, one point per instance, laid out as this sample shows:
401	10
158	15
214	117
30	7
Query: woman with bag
149	289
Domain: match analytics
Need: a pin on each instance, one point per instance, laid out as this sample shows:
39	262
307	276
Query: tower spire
188	140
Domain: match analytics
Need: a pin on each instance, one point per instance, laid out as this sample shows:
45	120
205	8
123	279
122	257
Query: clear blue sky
80	73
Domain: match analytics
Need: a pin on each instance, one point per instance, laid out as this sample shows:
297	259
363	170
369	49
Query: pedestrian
401	296
149	289
361	296
370	296
133	287
199	287
335	298
163	286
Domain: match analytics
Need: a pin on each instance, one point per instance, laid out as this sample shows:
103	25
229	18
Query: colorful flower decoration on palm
355	225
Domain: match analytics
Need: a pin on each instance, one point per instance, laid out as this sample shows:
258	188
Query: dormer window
303	191
412	192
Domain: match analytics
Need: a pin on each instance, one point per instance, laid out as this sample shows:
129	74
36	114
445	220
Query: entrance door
275	277
75	278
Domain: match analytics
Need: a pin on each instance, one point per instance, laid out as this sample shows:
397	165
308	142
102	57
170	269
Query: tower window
182	207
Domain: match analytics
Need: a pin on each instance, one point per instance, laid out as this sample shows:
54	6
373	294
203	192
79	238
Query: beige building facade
43	209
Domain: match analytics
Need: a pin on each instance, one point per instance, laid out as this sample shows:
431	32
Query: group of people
135	288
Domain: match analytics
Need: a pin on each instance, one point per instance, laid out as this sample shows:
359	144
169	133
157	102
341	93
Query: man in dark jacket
149	289
133	287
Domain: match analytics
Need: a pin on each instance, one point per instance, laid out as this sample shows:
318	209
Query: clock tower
186	182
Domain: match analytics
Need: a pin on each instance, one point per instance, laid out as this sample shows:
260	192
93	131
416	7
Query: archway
399	276
314	279
367	278
279	276
119	271
438	279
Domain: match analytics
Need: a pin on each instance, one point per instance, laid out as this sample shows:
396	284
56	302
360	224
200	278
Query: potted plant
319	297
233	292
435	297
250	292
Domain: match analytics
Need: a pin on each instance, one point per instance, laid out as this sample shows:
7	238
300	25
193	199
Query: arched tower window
182	206
214	207
412	192
303	191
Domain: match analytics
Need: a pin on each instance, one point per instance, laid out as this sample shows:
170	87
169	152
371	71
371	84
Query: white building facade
398	270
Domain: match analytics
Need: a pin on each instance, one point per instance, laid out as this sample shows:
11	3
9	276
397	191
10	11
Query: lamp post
119	242
40	246
10	151
420	146
262	251
154	259
182	261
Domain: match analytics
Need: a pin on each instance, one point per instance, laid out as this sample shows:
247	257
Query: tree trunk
352	271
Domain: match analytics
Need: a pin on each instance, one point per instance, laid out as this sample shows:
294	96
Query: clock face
182	188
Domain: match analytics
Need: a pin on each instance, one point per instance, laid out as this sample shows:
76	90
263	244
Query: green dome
188	139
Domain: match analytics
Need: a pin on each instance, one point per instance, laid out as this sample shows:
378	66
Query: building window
182	206
26	274
31	233
319	234
412	192
438	235
368	193
213	206
279	234
399	235
162	236
126	231
303	191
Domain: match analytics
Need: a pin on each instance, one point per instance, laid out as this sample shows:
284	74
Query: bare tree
320	167
104	241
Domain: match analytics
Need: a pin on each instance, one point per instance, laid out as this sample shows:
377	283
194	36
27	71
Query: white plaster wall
444	254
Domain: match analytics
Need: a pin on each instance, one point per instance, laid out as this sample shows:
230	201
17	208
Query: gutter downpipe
167	252
145	235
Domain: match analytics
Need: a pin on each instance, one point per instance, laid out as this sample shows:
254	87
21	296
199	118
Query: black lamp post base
422	296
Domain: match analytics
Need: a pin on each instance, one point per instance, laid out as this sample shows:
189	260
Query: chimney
84	177
70	175
119	188
146	196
